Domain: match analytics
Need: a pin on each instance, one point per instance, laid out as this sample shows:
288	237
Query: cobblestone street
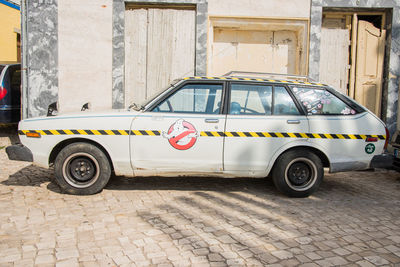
354	219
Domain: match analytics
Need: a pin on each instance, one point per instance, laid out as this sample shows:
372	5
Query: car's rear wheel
82	169
298	173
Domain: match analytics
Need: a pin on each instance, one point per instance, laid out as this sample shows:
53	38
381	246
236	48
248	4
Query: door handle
211	120
293	122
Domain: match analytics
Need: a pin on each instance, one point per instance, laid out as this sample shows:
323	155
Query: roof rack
269	75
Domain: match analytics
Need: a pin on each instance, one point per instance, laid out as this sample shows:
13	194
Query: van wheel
298	173
82	169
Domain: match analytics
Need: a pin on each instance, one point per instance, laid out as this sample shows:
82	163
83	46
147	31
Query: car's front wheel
82	169
298	173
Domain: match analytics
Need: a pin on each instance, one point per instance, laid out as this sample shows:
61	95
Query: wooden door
254	50
334	63
159	47
369	66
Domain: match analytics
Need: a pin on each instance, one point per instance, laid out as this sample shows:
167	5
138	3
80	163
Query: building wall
260	8
84	55
10	23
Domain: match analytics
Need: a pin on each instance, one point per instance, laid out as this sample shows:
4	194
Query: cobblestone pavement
354	219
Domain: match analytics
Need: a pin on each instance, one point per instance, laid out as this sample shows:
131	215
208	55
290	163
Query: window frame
299	107
174	89
350	103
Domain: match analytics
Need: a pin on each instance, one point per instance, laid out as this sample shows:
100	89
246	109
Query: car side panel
254	153
347	152
96	129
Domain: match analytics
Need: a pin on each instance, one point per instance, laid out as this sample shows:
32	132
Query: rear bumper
383	161
19	152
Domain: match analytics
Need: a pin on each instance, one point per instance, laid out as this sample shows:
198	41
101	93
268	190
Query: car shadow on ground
185	183
32	176
36	176
333	186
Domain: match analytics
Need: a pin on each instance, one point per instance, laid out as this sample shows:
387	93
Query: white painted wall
260	8
85	54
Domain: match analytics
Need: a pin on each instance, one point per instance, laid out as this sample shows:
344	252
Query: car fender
293	144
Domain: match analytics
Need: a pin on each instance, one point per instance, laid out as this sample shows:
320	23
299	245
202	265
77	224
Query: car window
250	99
283	102
321	102
193	98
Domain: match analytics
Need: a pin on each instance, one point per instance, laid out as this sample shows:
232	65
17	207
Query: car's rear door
181	133
262	118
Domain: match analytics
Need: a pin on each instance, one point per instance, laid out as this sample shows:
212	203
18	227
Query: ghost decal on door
182	135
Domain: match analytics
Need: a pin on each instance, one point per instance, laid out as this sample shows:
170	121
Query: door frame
299	25
351	23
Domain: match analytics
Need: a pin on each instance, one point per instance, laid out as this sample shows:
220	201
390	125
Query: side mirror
85	106
52	110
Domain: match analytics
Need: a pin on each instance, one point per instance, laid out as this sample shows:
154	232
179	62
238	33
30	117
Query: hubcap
301	174
81	170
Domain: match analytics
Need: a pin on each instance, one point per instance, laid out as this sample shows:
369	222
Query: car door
183	132
261	119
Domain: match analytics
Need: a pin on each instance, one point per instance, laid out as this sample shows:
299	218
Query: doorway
352	55
257	44
159	48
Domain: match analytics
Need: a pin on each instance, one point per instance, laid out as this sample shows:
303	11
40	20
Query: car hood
88	114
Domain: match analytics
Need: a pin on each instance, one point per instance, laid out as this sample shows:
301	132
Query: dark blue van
10	93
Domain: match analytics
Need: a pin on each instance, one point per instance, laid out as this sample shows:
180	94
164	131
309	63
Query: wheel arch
67	142
322	155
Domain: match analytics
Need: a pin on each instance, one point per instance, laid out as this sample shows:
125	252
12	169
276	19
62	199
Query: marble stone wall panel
118	96
42	49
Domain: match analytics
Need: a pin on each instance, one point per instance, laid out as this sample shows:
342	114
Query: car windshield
143	104
1	68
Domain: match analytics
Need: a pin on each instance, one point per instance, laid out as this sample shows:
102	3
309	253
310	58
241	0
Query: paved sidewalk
354	219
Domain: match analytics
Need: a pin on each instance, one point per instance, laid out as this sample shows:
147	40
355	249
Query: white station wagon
217	126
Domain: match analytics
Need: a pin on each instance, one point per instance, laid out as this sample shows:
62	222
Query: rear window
320	101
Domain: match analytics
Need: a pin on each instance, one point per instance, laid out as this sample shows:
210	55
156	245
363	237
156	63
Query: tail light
387	138
3	92
371	139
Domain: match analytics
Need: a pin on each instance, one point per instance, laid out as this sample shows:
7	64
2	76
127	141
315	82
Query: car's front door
182	133
261	119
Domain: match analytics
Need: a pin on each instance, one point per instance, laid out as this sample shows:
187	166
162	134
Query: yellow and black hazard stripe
75	132
91	132
205	134
290	135
252	79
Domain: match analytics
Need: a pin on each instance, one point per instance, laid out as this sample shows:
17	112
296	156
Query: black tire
298	173
82	169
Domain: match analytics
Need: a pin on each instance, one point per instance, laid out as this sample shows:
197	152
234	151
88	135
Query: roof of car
254	79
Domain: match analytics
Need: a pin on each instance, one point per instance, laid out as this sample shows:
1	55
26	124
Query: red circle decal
182	135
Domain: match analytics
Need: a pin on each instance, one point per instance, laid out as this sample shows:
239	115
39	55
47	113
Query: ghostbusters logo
181	135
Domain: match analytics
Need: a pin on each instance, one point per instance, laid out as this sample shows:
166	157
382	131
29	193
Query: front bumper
19	152
383	161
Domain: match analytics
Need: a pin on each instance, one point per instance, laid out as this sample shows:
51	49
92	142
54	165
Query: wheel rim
301	174
81	170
